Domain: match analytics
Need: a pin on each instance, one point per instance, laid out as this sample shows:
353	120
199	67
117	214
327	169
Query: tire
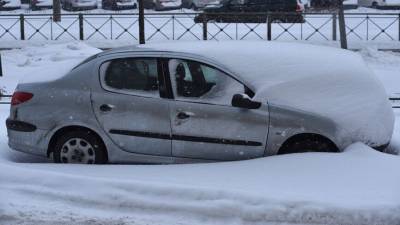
82	147
312	143
374	5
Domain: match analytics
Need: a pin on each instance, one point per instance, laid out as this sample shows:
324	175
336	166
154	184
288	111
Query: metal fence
6	100
181	26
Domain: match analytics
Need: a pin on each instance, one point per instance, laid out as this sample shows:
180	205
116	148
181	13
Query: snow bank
303	188
41	62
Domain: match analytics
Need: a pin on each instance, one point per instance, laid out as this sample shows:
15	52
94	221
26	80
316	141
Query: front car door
129	107
204	123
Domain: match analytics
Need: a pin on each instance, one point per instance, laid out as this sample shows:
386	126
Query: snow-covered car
162	4
201	101
71	5
119	4
379	3
10	4
41	4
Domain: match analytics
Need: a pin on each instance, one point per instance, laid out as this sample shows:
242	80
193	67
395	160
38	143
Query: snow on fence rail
181	26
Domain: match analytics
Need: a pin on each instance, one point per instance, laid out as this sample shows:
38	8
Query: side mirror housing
243	101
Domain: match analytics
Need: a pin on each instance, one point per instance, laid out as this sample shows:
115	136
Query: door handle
106	107
182	115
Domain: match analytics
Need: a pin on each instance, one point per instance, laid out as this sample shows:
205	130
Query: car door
204	123
129	107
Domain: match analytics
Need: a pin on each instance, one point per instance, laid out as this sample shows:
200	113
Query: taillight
20	97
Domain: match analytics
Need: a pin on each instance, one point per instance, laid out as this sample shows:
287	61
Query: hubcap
77	150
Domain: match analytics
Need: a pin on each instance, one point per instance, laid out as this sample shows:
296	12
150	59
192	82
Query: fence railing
6	100
181	26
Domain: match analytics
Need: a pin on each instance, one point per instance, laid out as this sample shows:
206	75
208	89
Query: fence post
334	27
204	28
342	26
269	30
1	70
142	39
81	37
22	26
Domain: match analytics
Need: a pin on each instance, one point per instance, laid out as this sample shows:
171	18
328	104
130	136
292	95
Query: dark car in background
10	4
253	11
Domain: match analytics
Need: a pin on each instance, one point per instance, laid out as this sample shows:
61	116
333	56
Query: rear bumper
17	125
25	137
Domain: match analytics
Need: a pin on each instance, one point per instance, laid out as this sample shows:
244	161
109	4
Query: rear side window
131	75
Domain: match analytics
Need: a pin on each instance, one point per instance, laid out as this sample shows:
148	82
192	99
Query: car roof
257	63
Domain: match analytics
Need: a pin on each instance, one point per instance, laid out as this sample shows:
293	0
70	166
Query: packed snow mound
40	63
321	188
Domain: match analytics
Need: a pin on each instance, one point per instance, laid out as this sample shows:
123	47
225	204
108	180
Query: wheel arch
304	136
63	130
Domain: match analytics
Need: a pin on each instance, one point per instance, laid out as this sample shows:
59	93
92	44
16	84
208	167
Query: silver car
202	101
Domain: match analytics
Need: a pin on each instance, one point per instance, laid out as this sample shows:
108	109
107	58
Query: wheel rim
77	150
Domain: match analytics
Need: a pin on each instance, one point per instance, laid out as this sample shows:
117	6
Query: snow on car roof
262	64
329	82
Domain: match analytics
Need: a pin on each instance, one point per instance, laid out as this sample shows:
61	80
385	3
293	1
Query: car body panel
235	133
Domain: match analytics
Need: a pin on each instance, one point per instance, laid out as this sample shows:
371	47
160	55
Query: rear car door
129	107
204	123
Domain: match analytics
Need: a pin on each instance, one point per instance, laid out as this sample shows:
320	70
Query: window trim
107	88
167	76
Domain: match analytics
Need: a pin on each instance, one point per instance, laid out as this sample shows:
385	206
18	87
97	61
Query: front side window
196	81
131	75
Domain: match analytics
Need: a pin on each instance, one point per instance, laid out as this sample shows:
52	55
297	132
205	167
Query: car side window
196	81
131	75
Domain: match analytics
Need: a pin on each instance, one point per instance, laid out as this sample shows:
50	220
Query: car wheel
194	7
374	5
310	143
82	147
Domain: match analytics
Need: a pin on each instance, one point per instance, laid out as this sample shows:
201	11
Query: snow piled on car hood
330	82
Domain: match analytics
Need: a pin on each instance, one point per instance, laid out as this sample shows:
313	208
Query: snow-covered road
358	186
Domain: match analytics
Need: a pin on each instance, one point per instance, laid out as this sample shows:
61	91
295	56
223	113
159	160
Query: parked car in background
41	4
119	4
195	4
201	101
162	4
240	11
72	5
10	4
382	4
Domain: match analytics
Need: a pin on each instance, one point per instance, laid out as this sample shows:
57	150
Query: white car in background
159	5
380	3
72	5
10	4
41	4
196	4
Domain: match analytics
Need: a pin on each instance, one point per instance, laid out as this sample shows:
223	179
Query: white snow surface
41	62
306	77
359	186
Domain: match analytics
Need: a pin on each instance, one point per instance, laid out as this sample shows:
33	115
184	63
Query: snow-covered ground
358	186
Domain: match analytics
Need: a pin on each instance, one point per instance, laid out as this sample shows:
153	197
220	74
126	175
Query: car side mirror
243	101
